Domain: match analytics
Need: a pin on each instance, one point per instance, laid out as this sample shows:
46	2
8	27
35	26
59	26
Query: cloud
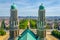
53	11
30	7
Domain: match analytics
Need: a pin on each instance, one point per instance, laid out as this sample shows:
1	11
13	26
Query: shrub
2	32
56	33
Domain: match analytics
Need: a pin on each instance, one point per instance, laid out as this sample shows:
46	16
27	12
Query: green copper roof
27	35
41	7
13	6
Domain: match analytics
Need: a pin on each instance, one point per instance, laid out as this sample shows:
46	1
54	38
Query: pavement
48	35
5	37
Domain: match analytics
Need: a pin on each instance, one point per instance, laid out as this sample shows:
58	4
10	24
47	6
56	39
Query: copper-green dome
41	7
13	6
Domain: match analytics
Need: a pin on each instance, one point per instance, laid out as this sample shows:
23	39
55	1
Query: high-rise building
41	23
14	31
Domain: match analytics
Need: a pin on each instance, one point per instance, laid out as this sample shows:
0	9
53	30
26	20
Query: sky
30	7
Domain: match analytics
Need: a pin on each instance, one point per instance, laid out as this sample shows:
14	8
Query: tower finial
41	3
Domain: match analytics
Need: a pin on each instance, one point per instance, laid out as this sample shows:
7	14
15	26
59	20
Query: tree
33	23
2	32
48	26
55	24
3	26
23	24
56	33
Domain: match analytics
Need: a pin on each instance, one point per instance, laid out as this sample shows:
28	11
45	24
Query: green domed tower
14	30
41	22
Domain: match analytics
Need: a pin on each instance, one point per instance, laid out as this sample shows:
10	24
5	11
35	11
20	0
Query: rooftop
27	35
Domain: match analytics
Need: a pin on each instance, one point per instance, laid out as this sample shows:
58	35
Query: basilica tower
41	23
14	32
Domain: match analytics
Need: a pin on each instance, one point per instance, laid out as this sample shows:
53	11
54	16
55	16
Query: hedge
56	33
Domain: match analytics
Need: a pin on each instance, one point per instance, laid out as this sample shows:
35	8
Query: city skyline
30	7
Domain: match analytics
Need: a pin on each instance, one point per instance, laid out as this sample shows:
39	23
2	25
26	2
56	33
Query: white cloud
27	8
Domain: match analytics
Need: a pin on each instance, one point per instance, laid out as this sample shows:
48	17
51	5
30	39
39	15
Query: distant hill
33	17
